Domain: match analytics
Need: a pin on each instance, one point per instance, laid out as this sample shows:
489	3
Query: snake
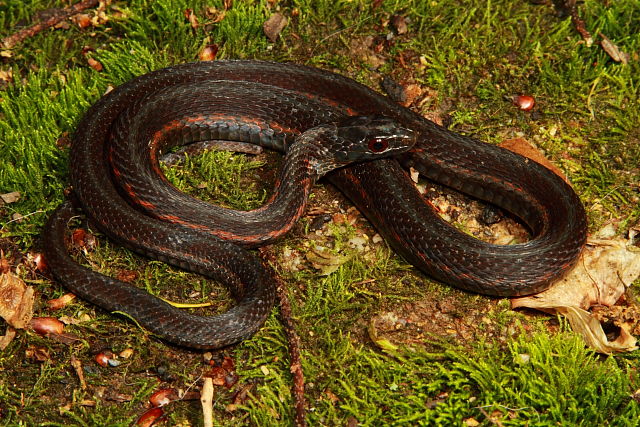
118	184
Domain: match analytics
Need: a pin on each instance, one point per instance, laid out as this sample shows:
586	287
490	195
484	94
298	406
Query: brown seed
524	102
150	417
47	325
106	358
163	397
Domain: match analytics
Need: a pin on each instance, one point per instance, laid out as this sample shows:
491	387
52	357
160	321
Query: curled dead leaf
613	50
6	339
274	25
591	330
601	276
383	343
16	301
325	261
82	20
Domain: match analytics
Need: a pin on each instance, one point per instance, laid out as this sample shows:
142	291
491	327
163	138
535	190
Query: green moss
475	54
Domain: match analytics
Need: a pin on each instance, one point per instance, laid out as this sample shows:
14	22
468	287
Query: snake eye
378	145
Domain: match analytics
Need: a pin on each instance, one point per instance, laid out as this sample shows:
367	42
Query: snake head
371	137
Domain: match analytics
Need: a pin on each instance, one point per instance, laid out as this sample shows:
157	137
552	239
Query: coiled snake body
271	104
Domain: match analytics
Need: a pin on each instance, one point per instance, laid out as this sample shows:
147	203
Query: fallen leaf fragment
613	50
209	52
325	261
8	336
214	15
383	343
94	64
126	353
12	197
58	303
16	301
603	273
39	354
399	22
192	18
77	366
6	75
524	148
223	374
82	20
591	330
274	25
40	262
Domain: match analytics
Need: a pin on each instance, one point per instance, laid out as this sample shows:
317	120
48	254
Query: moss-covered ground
462	359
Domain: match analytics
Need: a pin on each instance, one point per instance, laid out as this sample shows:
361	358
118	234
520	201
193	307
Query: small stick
294	345
15	38
206	399
77	366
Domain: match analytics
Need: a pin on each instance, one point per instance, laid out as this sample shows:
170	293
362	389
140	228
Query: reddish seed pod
524	102
150	417
106	358
102	359
47	325
163	397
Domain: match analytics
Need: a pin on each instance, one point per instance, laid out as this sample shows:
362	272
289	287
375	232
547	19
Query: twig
569	7
206	399
294	345
15	38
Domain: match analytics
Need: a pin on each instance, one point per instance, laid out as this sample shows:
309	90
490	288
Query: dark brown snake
270	104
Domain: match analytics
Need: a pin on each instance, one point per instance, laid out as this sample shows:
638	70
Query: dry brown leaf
12	197
16	301
524	148
209	52
94	64
62	302
613	50
6	76
603	273
192	18
6	339
47	326
325	261
274	25
605	270
591	330
399	22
